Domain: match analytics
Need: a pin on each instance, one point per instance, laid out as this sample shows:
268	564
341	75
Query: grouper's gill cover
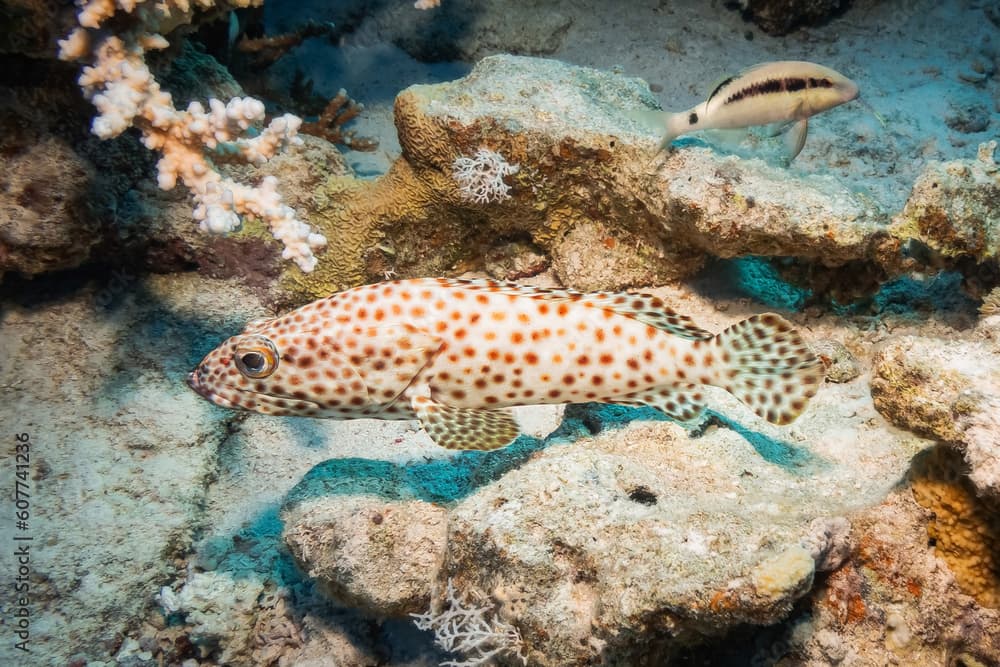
454	353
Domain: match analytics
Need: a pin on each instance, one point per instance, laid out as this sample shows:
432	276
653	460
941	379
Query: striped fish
453	354
783	92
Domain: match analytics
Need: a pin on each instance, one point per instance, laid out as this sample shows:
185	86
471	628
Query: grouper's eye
256	357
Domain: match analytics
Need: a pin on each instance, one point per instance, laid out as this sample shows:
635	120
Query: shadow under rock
593	418
792	458
435	481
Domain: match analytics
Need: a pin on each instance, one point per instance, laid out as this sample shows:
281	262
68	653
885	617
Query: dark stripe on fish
789	85
722	85
792	85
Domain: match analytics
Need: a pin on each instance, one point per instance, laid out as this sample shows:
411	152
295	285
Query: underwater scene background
173	174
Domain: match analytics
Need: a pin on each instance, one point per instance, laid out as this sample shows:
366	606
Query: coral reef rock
587	190
623	546
892	602
780	17
948	391
44	221
964	529
221	611
390	552
954	208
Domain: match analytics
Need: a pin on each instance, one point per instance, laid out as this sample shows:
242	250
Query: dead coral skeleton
471	631
339	111
264	51
480	177
991	303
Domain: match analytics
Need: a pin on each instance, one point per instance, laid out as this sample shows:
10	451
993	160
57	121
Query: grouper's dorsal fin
647	309
644	308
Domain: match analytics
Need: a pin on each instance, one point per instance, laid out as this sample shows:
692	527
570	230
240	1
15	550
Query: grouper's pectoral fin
387	358
463	428
795	139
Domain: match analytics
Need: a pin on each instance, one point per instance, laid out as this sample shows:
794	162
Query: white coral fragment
476	633
480	177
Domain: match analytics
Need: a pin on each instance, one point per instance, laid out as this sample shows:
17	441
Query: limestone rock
946	390
839	363
44	221
31	27
623	546
222	612
614	547
382	557
954	209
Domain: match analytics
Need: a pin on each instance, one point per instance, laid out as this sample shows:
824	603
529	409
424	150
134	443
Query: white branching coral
480	177
476	633
121	86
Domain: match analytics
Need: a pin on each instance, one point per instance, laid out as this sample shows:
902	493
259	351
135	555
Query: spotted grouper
454	353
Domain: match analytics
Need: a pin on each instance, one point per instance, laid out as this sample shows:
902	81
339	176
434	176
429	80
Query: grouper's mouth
260	399
194	381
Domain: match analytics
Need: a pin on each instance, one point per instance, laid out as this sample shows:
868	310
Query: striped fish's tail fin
676	125
670	124
766	364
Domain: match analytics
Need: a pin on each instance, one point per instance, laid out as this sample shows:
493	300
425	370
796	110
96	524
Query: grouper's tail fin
766	364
